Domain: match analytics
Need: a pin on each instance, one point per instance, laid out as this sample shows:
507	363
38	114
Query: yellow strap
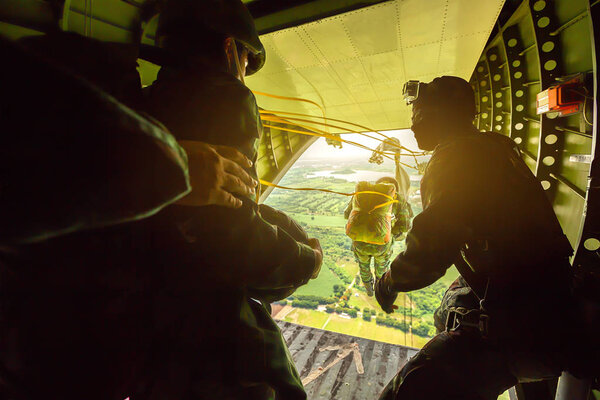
387	203
392	200
275	96
318	133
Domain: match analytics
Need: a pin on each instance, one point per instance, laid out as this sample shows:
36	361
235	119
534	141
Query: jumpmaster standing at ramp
485	212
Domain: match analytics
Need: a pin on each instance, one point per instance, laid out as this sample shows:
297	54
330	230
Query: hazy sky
321	151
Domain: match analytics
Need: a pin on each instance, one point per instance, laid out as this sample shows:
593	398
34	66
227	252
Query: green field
312	318
354	326
320	220
322	286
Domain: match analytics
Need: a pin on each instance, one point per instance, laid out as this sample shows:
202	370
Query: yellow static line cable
335	138
275	96
270	112
391	201
366	128
316	132
328	136
312	133
346	130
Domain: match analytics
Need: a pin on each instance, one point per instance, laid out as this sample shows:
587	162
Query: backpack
370	220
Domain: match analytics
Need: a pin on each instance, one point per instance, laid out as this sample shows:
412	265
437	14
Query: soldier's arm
237	246
348	210
439	232
73	157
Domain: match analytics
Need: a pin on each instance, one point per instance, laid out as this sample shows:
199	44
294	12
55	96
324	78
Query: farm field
353	326
322	286
320	220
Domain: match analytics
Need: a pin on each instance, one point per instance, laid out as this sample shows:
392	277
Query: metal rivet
548	160
539	5
550	65
546	185
551	139
592	244
548	47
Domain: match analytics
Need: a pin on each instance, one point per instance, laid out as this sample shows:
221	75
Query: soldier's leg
452	366
383	259
364	262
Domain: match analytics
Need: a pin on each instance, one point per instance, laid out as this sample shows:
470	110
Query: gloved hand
385	295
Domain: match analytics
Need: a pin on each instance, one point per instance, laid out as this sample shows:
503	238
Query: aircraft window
519	93
499	104
512	43
519	107
518	75
516	63
518	126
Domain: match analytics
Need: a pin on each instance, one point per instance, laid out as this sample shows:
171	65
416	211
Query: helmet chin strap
237	62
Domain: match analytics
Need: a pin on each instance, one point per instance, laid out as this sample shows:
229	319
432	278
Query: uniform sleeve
235	247
238	248
348	210
438	233
74	158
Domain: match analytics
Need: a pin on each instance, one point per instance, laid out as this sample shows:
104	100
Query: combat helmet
448	92
229	17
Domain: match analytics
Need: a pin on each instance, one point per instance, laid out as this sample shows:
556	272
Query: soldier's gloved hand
216	174
316	246
385	295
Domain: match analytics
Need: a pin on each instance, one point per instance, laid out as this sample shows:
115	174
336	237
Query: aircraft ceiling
354	64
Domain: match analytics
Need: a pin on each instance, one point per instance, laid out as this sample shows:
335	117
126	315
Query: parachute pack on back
371	218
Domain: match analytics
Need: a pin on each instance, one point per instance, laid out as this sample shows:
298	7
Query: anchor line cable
390	201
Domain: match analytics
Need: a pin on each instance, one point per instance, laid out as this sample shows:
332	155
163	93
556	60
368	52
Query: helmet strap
237	63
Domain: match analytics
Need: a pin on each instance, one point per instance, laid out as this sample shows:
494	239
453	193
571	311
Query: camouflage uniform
458	295
380	253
